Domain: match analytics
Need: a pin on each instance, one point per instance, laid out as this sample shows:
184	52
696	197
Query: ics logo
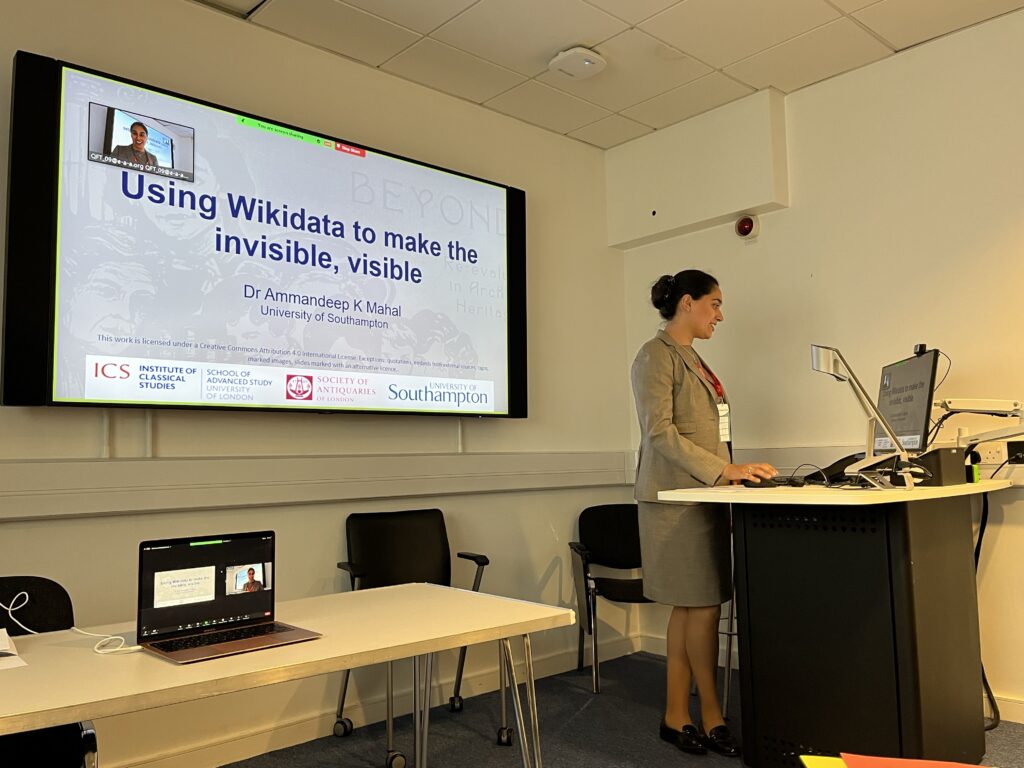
111	371
298	387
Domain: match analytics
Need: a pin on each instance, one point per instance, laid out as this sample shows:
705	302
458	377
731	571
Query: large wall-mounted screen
177	253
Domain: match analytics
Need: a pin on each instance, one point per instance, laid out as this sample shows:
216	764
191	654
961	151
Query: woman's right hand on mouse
736	473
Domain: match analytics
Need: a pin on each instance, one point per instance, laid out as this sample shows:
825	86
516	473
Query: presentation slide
259	266
906	403
183	586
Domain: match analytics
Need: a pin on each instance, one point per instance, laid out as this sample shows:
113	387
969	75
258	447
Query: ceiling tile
538	104
633	11
908	22
708	92
415	14
720	32
337	27
524	35
639	67
613	130
453	71
849	6
821	53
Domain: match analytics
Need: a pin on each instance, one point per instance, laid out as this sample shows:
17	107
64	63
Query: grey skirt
687	553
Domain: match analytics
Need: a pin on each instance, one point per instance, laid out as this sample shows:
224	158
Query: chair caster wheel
395	760
455	704
342	727
505	737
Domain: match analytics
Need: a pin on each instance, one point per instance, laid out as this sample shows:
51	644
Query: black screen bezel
28	330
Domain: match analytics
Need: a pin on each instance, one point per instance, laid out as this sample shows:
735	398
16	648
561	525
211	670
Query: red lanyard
710	377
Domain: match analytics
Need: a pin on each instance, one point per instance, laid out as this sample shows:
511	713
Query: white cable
15	605
100	647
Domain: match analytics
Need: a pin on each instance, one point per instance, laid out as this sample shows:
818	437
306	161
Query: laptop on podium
208	596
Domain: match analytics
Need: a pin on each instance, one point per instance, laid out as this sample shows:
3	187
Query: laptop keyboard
224	636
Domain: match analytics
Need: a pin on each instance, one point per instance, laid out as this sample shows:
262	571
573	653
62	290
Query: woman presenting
687	562
136	152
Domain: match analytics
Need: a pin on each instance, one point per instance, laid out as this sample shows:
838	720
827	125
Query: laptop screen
205	582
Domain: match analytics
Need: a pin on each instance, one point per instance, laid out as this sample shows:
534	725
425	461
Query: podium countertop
820	495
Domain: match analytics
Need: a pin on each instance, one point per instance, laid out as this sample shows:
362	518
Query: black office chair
609	537
48	609
389	548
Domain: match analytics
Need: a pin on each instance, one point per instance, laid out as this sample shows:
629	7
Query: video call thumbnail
127	139
249	577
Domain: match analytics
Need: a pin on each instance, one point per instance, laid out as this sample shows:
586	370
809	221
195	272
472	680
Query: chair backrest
387	548
611	534
48	608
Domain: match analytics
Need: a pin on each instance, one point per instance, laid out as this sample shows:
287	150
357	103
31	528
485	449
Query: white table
819	494
64	681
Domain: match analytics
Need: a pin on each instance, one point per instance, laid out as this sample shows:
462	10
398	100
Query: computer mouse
771	482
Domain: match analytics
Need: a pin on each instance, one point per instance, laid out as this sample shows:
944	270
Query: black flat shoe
720	740
688	739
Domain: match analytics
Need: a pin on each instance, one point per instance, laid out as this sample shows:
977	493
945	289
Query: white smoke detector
579	63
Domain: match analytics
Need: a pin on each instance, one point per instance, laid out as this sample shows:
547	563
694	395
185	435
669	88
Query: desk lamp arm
1004	408
823	360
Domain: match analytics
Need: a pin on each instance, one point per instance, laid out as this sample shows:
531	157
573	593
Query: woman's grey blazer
680	445
685	548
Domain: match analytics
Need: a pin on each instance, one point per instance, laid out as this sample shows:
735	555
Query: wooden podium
858	621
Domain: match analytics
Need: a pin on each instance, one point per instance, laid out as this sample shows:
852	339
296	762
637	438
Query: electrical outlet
1015	450
993	452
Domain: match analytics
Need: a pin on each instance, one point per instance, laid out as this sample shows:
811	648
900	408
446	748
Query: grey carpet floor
616	729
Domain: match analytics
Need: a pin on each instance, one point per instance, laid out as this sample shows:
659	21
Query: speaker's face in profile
703	314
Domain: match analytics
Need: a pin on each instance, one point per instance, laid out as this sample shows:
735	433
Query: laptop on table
208	596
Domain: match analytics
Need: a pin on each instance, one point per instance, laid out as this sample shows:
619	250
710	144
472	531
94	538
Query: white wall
737	152
511	489
904	226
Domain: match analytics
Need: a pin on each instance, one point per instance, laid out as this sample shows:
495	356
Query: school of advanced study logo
298	387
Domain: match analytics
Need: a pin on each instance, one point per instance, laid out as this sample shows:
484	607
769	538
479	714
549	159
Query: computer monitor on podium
905	401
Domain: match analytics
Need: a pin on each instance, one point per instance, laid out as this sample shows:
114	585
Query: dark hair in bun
666	293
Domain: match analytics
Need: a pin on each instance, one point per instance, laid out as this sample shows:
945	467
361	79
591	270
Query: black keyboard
778	481
224	636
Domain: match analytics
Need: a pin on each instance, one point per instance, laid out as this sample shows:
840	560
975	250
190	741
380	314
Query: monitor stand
870	469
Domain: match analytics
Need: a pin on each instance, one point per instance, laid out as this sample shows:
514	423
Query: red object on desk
865	761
